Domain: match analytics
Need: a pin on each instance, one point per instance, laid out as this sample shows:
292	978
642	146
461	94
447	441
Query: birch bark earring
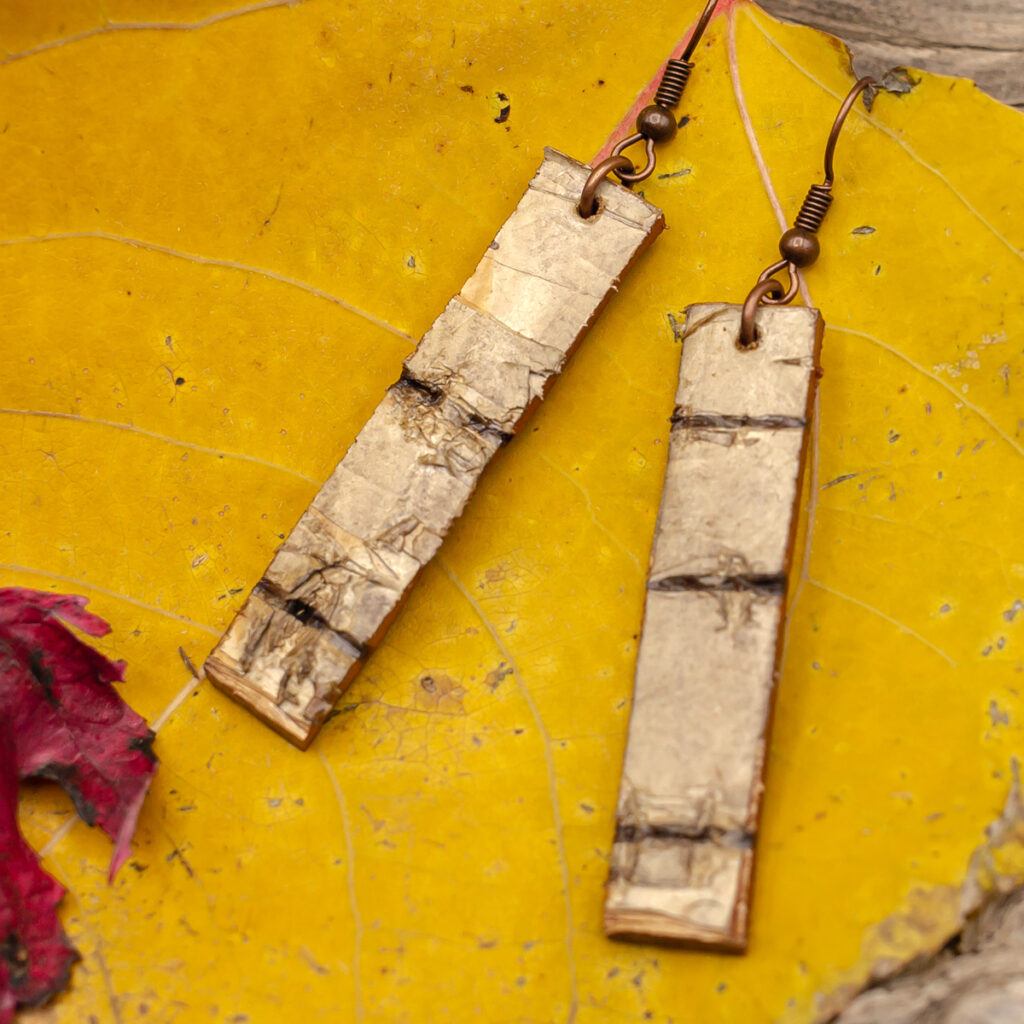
337	581
683	856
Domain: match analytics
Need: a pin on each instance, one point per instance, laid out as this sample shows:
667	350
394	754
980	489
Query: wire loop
587	206
787	295
632	177
761	292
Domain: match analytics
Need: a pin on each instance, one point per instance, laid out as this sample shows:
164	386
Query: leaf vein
556	811
132	429
147	26
210	261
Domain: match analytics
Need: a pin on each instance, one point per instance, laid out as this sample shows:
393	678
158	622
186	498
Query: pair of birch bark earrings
683	852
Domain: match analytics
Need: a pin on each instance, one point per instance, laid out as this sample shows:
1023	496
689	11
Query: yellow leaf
221	232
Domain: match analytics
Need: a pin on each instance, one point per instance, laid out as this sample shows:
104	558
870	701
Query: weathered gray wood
682	860
980	982
972	973
335	584
978	39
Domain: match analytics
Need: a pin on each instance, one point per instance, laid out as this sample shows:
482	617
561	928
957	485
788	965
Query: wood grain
336	583
977	39
683	855
977	978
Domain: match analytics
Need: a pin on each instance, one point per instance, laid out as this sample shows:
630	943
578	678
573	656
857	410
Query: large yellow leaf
221	230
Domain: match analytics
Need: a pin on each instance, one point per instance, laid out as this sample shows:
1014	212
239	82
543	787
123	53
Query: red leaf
35	955
61	719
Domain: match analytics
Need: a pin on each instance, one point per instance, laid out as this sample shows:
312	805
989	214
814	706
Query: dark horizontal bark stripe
308	616
766	583
737	838
432	394
719	421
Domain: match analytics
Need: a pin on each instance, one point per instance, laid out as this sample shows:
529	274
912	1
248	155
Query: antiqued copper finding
747	341
588	199
837	125
632	177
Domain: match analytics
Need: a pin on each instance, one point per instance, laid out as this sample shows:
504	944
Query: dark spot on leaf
66	775
176	852
504	110
997	715
144	744
428	684
864	229
838	480
179	381
683	121
42	675
467	88
15	955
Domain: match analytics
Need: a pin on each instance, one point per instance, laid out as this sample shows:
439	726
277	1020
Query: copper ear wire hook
698	29
837	125
655	123
658	125
799	246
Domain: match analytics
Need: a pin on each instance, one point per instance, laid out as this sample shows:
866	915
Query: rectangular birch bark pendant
335	584
683	856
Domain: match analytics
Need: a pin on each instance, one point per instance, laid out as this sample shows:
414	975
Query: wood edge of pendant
234	685
656	230
652	926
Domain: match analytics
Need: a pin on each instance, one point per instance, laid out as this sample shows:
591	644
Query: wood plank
975	39
338	580
683	855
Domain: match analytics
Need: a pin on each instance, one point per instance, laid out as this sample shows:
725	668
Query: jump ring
587	206
761	292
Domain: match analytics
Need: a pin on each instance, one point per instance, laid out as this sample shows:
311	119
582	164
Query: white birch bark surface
682	860
335	584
